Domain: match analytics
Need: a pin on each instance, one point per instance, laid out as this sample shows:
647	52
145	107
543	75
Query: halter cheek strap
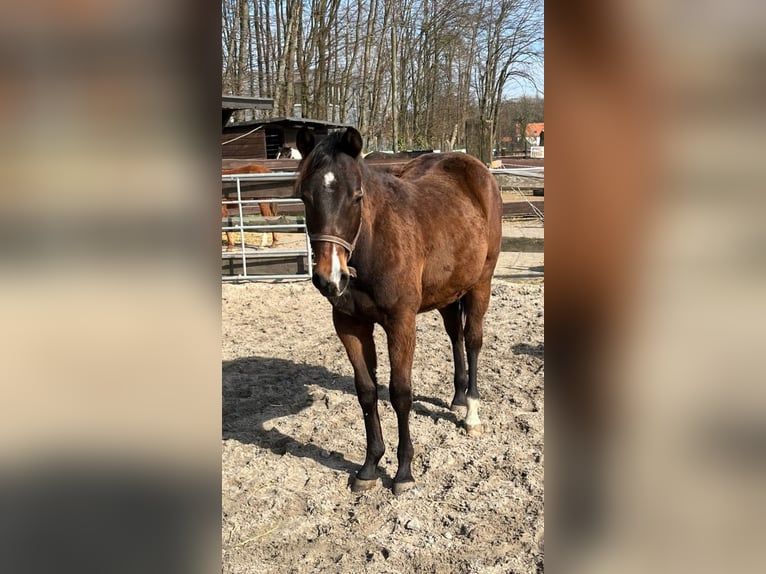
323	238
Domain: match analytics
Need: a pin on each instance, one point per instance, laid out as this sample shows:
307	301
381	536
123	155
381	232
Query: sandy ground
293	434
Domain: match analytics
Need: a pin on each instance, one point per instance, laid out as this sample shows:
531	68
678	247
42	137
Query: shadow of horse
537	350
260	389
442	412
257	390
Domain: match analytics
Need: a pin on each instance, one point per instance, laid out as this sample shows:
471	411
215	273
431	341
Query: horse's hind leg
476	303
357	338
452	315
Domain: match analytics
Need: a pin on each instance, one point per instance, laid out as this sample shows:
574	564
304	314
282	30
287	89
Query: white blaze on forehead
329	179
335	271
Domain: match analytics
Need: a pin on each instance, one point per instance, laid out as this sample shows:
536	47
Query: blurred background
109	289
656	434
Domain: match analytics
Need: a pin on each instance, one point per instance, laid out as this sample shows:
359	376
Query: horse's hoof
458	408
360	484
474	430
402	487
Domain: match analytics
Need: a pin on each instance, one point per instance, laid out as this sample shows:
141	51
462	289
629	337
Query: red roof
533	130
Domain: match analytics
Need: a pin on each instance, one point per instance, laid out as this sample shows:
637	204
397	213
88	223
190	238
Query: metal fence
249	258
534	174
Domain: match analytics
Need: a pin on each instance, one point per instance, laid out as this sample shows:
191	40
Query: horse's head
330	185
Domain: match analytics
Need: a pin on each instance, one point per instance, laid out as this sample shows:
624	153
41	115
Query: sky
518	87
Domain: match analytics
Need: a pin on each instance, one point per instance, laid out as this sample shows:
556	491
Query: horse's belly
446	279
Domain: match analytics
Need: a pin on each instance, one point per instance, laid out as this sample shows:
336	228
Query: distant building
535	133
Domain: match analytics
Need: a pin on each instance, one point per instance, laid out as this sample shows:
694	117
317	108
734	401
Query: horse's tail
461	310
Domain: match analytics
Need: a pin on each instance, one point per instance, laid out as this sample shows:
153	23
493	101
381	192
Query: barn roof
288	121
231	103
246	103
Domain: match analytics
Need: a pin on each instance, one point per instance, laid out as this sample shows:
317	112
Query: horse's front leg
401	348
356	336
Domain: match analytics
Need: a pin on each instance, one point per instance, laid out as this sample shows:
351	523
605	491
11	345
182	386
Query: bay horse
388	247
267	209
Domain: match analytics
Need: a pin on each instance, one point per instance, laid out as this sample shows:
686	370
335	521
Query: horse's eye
358	195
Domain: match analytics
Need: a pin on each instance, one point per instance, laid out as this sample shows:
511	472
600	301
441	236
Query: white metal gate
239	223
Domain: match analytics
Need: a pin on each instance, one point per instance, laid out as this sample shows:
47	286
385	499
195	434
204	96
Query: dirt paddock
293	434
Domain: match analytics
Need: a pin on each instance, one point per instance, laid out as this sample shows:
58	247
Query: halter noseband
321	237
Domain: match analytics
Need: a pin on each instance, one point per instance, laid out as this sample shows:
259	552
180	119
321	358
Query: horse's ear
305	141
351	142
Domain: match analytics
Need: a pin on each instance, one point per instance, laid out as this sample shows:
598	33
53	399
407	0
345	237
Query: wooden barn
263	139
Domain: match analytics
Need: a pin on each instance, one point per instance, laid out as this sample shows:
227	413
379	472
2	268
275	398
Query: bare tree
366	82
284	89
408	72
511	38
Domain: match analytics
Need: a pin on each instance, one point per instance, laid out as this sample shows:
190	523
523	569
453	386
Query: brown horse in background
389	247
267	209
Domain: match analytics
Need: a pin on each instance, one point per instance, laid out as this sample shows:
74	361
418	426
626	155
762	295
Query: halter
323	238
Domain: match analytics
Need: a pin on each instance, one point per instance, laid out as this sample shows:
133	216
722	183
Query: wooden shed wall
264	143
251	146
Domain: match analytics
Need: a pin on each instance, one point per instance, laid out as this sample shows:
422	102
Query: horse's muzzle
329	288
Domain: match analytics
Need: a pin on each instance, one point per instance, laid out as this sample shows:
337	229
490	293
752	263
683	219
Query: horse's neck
380	194
383	185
